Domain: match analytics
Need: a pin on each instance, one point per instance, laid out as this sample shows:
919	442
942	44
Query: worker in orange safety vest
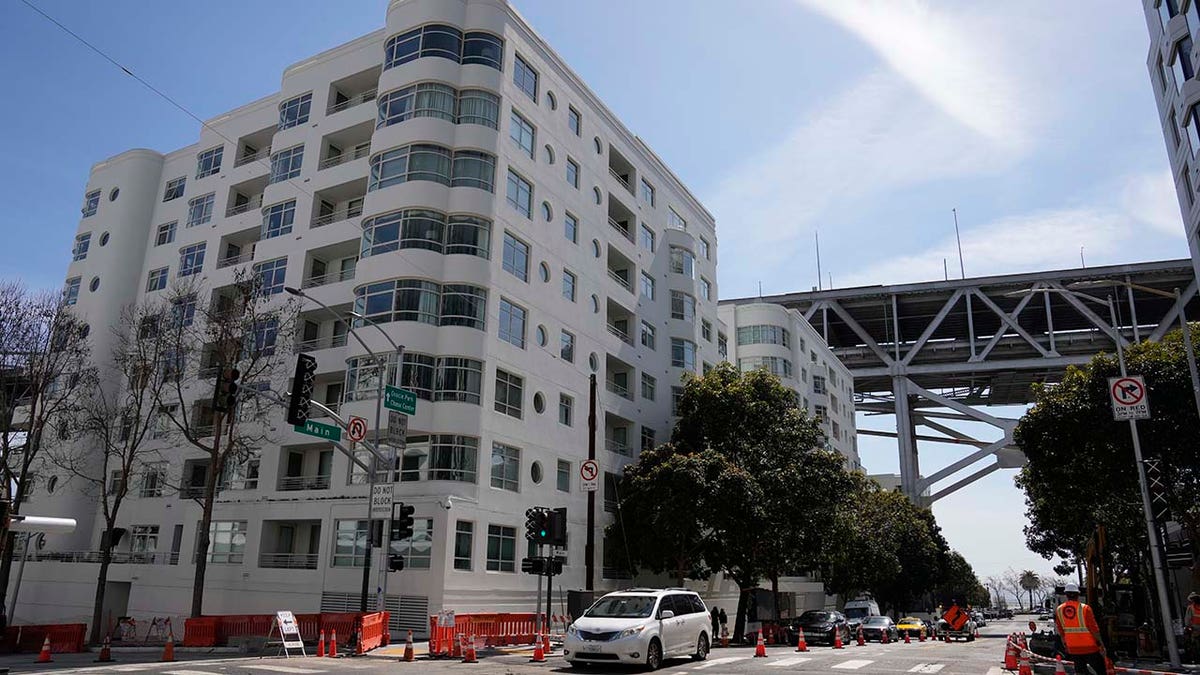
1080	633
1191	626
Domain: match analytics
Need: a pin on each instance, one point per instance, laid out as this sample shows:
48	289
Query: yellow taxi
911	624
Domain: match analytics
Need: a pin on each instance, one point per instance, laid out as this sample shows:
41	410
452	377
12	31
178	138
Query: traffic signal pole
589	549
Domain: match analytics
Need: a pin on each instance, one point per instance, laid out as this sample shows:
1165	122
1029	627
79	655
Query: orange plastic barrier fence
492	629
64	637
211	631
373	631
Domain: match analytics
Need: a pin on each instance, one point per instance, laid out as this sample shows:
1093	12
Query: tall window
521	132
648	438
174	189
154	478
191	259
501	549
683	306
464	535
512	323
646	238
683	353
566	410
91	203
566	349
416	550
166	233
574	121
350	543
227	541
649	386
704	248
506	467
706	330
515	257
572	173
563	484
647	192
278	219
271	276
1182	67
294	112
459	379
209	162
705	288
509	393
143	538
571	228
82	243
157	279
71	290
568	285
647	334
520	194
285	164
420	161
525	78
200	209
472	168
683	261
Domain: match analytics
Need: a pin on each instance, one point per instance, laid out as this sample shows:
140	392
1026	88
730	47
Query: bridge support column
906	439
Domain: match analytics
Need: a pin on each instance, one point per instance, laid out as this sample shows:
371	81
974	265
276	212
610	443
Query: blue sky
867	121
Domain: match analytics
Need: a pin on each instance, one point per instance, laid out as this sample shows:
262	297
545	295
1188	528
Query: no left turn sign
589	473
1128	395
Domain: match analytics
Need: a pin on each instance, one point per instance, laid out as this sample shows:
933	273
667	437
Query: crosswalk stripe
853	664
995	670
926	667
185	672
790	661
135	669
717	662
282	669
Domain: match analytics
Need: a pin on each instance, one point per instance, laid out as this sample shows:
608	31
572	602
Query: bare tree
995	586
243	331
114	429
1012	585
44	367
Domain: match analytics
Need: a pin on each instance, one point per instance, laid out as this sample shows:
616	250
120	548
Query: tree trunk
6	557
106	546
202	541
775	595
739	622
679	573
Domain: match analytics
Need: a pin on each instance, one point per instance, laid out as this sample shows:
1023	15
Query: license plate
589	647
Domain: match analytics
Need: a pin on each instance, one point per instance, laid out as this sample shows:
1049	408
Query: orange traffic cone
539	654
921	635
546	642
1010	654
169	648
907	641
1023	668
837	639
408	648
760	649
861	639
44	655
332	653
724	637
1058	665
801	645
105	652
469	652
321	644
884	638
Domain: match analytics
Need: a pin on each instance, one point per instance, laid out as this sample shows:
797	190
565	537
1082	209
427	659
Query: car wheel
701	648
654	655
574	664
970	637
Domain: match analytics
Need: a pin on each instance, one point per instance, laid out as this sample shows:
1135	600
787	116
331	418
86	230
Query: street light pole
1155	560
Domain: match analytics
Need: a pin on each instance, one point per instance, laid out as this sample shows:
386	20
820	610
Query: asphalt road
981	657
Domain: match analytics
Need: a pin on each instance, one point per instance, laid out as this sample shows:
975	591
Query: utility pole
589	549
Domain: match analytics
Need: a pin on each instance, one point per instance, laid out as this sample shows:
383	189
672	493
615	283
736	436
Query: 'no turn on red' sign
1129	399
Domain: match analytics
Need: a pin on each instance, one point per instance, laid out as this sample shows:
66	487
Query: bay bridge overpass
936	354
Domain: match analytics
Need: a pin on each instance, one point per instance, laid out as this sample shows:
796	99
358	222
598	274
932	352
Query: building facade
781	341
451	180
1174	27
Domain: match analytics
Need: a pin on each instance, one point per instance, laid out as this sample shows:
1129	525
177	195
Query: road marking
926	667
135	669
720	661
790	661
186	672
853	664
282	669
995	670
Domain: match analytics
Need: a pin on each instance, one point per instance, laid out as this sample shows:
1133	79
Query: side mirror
1032	626
666	614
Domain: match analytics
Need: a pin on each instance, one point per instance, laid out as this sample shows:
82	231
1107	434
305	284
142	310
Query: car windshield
813	616
622	607
876	621
856	612
910	619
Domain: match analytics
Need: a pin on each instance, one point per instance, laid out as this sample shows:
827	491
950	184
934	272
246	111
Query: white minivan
640	626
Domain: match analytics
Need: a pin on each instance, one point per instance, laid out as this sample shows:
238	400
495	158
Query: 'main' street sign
328	432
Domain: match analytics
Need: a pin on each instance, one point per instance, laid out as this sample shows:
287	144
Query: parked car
821	626
980	619
642	626
874	628
912	625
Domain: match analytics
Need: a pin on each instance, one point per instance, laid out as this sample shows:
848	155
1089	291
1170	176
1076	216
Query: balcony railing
118	557
623	229
252	204
613	445
191	492
620	179
288	561
330	278
235	259
253	157
357	152
625	337
625	283
321	343
618	389
294	483
368	95
336	216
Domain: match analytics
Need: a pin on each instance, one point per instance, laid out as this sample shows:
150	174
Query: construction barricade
358	631
64	637
491	630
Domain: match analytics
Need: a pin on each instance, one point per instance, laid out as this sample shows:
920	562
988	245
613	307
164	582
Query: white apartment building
452	179
1174	27
781	341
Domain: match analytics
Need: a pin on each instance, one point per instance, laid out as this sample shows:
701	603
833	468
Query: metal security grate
407	612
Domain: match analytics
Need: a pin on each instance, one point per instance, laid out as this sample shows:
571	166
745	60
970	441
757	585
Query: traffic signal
225	396
537	524
302	390
534	565
554	566
395	563
402	522
558	527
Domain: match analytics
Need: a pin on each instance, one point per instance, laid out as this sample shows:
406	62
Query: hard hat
1194	596
1071	588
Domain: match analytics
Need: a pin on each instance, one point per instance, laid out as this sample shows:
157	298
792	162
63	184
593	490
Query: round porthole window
599	145
547	212
541	336
103	239
539	403
593	362
51	483
535	472
596	247
551	101
112	195
95	285
549	155
595	304
597	195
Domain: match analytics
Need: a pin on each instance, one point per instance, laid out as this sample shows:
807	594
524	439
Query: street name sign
400	400
328	432
381	502
1129	399
589	476
397	430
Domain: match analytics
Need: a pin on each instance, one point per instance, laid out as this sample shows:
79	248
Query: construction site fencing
492	630
358	630
64	638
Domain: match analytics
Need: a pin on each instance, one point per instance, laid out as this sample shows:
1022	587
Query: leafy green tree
1081	471
959	583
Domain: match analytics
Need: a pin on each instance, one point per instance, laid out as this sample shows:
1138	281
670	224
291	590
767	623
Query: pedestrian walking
1191	626
1080	634
724	621
716	621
